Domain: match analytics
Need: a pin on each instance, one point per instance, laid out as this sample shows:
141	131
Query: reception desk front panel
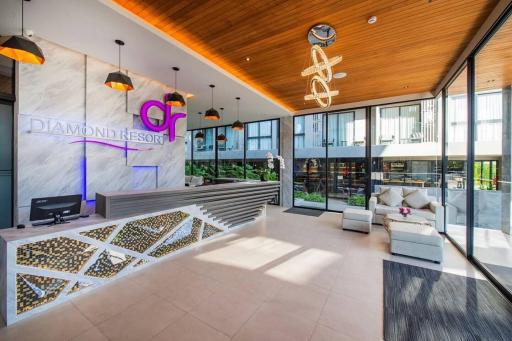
45	269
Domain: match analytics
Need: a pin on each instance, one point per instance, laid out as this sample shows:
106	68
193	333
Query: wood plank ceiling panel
409	50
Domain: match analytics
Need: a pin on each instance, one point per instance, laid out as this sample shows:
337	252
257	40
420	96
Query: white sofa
434	212
193	181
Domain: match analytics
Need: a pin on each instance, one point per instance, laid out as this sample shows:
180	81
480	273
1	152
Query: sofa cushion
415	233
391	198
416	199
424	212
381	209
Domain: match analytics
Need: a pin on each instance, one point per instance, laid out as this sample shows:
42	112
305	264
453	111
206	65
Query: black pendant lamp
175	99
21	49
221	138
212	114
237	125
118	80
200	135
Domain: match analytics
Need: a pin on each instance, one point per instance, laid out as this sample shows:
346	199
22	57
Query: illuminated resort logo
169	120
94	134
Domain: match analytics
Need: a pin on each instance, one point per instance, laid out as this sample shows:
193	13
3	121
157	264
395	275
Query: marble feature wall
70	86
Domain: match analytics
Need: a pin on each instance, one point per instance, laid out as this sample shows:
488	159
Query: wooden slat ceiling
408	51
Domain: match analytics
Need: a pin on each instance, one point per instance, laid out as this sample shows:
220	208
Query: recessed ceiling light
372	20
247	59
339	75
405	87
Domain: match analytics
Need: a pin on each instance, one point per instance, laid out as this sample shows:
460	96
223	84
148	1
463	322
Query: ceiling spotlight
339	75
247	59
372	20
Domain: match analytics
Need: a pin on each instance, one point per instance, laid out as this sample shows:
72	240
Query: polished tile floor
286	277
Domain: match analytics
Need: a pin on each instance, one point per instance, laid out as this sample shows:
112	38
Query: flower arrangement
265	173
404	211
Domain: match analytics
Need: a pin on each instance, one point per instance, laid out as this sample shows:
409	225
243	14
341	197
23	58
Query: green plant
357	200
314	197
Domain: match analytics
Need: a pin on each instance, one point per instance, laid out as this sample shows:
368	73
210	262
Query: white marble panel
146	89
49	165
144	177
106	167
172	172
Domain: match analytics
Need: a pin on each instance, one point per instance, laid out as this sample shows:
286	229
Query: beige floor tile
60	323
227	309
273	324
302	301
105	302
352	317
141	320
189	290
323	333
189	328
92	334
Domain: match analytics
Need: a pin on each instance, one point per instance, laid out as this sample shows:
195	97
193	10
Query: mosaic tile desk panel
49	269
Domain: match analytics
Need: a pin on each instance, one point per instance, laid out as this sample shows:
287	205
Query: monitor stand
58	219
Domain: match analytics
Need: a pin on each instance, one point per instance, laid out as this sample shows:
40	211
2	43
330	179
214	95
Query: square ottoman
416	240
357	220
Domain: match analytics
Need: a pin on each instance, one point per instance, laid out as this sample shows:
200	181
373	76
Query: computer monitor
55	210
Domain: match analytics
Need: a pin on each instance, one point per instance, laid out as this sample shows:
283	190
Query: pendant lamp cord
119	54
175	80
22	23
238	109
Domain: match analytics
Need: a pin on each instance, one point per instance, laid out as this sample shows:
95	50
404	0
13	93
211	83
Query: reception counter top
41	267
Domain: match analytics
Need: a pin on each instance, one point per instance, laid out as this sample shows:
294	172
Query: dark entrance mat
502	274
304	211
424	304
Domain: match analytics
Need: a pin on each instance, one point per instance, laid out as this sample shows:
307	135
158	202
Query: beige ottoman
357	220
416	240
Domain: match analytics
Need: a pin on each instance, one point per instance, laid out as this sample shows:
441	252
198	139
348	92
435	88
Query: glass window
456	157
188	153
203	163
6	76
492	177
231	153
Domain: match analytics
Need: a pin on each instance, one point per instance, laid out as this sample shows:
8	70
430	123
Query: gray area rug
304	211
502	274
424	304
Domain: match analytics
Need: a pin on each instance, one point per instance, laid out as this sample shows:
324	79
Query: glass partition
231	153
309	164
203	163
456	128
188	152
492	208
262	138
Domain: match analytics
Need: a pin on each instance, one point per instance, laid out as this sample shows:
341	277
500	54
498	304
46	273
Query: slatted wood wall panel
409	50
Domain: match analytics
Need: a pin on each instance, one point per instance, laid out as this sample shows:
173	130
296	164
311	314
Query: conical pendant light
118	80
212	114
20	48
237	125
221	138
200	135
175	99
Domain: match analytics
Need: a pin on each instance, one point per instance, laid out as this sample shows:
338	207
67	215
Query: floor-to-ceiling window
203	162
309	172
261	138
456	147
492	121
406	147
330	168
231	153
6	141
346	164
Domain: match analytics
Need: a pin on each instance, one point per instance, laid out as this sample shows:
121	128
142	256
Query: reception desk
44	266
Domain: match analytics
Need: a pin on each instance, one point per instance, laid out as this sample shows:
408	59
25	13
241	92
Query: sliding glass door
492	122
330	168
456	147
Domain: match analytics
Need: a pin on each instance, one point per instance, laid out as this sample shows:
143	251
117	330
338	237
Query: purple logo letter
169	119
